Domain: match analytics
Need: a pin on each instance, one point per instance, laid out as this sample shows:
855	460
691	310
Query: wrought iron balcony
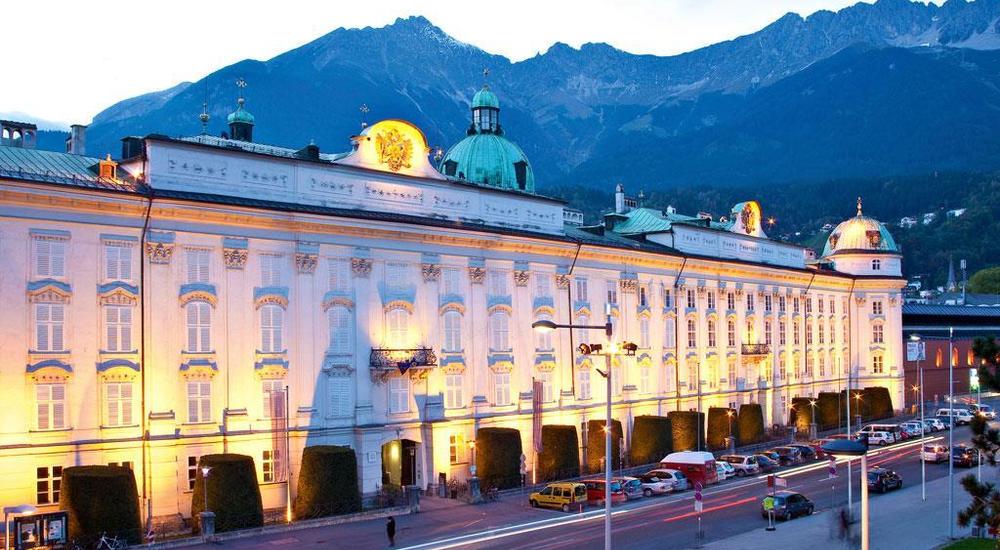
385	361
755	349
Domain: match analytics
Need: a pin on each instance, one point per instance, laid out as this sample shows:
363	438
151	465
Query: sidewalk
899	520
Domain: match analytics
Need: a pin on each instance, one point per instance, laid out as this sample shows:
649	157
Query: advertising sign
41	531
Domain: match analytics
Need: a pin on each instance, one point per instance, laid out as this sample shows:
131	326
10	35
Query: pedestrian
845	523
390	531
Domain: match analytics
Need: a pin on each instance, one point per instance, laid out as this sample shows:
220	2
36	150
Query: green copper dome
489	159
485	98
240	114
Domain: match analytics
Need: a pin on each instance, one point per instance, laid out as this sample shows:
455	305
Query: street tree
984	510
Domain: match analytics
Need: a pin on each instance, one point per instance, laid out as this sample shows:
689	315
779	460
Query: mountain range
890	88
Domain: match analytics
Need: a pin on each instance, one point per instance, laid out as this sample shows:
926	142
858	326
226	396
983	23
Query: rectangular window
271	328
796	339
118	328
644	333
453	391
782	334
340	275
50	257
767	332
48	481
197	265
496	283
399	394
612	286
397	276
819	304
451	281
711	299
644	385
643	296
711	333
668	299
822	365
694	383
691	301
731	333
782	371
750	301
543	285
501	389
809	335
730	301
781	304
271	466
767	303
583	384
452	321
456	449
877	337
731	363
669	334
809	305
545	377
795	305
809	364
50	403
118	403
117	262
499	331
877	366
273	393
582	293
340	396
822	331
877	307
199	397
49	320
692	339
192	471
582	335
340	330
543	339
199	327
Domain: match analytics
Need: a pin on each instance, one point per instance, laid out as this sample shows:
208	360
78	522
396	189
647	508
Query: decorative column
366	304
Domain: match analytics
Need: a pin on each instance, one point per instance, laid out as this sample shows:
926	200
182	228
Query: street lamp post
732	440
923	427
207	517
850	448
812	423
9	511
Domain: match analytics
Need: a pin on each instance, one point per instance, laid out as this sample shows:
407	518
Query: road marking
711	509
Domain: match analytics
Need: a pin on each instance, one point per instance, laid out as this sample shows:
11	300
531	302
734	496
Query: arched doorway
399	462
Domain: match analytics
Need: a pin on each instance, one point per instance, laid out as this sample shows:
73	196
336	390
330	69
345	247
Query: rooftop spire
859	207
241	121
203	117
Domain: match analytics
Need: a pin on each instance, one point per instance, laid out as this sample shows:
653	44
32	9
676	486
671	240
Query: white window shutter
125	336
58	406
277	322
57	327
111	262
58	258
192	396
125	263
206	401
42	264
42	327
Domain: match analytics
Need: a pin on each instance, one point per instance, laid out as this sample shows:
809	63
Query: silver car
678	478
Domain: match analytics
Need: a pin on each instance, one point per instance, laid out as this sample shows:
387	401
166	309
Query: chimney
619	199
131	147
76	143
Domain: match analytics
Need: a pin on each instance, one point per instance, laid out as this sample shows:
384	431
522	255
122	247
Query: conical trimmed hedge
560	456
328	482
750	424
829	410
595	444
800	414
719	424
879	402
101	499
652	439
498	457
688	429
233	493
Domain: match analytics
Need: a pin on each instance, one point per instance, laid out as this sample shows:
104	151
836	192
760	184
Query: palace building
159	305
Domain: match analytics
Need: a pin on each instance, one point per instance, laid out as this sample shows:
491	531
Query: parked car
595	491
936	424
696	465
960	416
880	438
772	455
766	463
788	455
632	487
934	453
742	464
724	470
653	485
817	447
913	428
883	480
892	429
786	505
807	452
985	410
963	455
560	495
679	480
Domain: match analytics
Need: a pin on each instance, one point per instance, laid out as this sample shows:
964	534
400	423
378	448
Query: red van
595	491
696	465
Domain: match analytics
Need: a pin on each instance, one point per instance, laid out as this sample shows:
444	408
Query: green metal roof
648	220
52	167
485	98
240	115
489	159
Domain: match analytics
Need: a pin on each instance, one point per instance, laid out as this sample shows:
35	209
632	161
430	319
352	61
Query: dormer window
450	167
521	174
876	265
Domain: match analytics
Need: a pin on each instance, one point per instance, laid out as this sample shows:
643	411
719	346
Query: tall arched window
499	331
731	333
644	333
711	333
340	329
271	328
398	325
692	334
199	327
452	331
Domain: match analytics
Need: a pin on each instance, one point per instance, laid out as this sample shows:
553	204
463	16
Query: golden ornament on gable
394	149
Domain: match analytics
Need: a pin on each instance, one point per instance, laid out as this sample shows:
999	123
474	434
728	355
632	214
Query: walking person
390	531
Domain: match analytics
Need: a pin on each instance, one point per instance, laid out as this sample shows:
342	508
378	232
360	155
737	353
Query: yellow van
564	496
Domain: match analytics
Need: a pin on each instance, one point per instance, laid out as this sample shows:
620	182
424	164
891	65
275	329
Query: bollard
207	526
413	498
475	494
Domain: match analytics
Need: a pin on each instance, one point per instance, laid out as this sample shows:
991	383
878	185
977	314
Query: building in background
158	306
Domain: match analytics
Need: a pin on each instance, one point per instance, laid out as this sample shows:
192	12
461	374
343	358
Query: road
730	508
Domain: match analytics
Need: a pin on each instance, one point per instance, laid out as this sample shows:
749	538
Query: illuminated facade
178	291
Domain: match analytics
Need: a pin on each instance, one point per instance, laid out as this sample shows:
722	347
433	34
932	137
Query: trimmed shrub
560	456
719	424
595	445
750	424
498	457
688	428
800	414
101	499
233	493
829	410
328	482
652	439
879	402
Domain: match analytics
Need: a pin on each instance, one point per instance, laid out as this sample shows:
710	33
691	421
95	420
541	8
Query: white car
935	425
743	464
985	410
880	438
679	480
914	428
653	485
934	453
724	470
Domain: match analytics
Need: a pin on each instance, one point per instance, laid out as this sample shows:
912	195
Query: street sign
770	481
780	482
697	506
915	351
524	464
697	496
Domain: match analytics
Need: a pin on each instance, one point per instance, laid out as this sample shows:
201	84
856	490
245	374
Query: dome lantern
862	245
241	121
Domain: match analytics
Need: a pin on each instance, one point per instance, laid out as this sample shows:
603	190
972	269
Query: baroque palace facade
158	306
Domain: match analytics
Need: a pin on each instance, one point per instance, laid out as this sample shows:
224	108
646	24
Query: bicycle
110	543
493	494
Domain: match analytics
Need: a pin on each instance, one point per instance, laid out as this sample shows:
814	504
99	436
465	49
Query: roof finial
486	76
859	207
240	83
364	115
203	117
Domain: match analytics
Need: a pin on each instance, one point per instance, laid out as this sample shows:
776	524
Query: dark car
772	455
766	463
965	456
882	480
788	455
786	505
808	453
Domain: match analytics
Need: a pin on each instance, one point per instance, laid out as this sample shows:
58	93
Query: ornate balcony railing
385	361
755	349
